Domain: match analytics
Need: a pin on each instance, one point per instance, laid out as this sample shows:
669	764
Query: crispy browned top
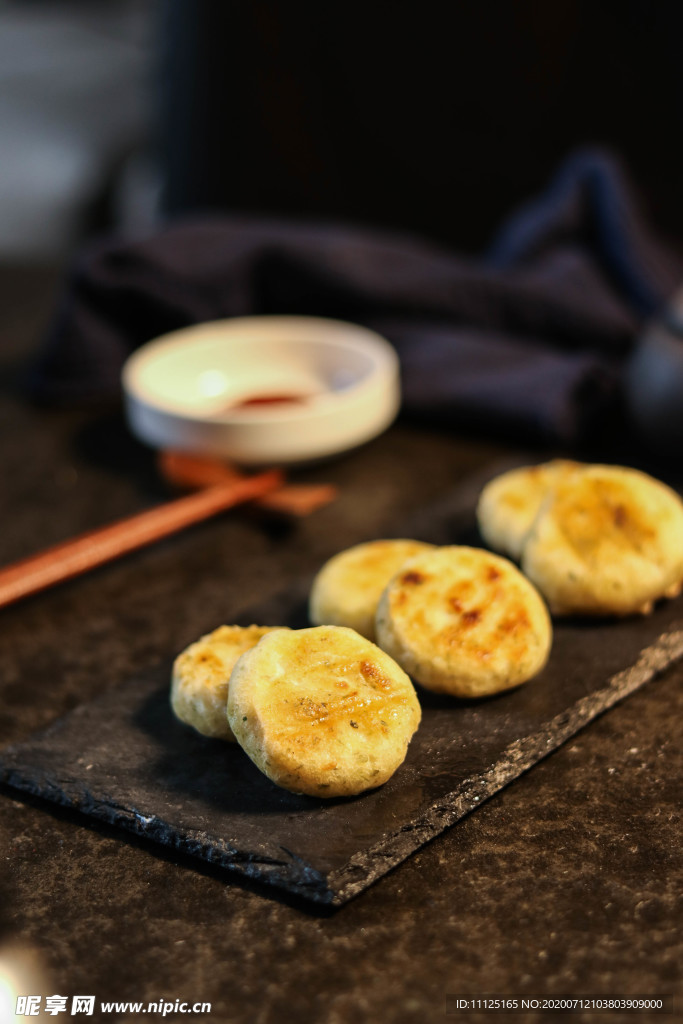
597	512
474	604
330	681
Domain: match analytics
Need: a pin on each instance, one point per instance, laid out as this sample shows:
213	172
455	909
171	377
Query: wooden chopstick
184	470
85	552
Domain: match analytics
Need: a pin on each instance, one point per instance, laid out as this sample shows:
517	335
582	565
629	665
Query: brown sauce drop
257	400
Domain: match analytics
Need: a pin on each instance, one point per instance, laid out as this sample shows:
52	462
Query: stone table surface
568	882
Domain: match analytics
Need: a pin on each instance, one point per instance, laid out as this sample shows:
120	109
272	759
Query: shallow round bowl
266	389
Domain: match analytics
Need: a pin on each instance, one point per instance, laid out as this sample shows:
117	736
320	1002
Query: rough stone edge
289	873
292	874
518	757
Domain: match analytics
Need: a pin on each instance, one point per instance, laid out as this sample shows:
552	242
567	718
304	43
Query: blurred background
76	120
427	117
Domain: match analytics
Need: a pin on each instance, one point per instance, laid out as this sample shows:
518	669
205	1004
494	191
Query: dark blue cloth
529	340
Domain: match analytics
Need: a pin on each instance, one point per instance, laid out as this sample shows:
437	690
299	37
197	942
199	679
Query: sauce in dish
265	401
255	400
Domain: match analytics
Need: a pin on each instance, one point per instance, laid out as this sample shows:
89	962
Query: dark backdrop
435	117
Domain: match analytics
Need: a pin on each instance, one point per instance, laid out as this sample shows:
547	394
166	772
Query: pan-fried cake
510	502
606	541
347	589
464	621
322	711
200	677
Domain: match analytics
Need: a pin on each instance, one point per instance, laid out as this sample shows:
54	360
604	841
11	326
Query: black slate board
124	759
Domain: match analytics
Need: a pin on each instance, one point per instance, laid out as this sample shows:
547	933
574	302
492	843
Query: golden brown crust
509	503
607	541
464	621
347	589
322	711
201	674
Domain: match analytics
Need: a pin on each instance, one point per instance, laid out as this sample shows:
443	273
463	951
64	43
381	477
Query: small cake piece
322	711
347	589
464	621
606	541
509	503
199	681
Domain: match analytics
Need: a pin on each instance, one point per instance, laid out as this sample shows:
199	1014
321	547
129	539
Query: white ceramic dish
266	389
